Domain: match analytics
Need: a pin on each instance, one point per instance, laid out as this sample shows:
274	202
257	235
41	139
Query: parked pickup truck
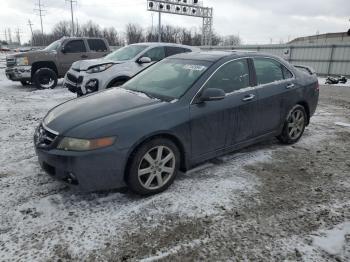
44	67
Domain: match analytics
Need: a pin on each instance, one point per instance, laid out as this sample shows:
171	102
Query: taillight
317	86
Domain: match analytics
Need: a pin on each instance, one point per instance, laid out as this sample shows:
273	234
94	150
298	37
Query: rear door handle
290	86
248	98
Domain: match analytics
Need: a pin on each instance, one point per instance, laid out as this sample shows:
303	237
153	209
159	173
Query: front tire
294	125
45	78
25	83
153	167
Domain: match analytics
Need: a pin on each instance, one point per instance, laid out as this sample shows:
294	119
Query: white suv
88	76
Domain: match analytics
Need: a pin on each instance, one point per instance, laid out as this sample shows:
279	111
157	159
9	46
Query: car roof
214	56
155	44
78	38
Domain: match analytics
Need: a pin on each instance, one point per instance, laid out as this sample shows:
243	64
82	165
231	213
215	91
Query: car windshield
168	79
54	46
126	53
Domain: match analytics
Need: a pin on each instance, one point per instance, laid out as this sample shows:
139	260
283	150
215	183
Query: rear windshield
169	79
126	53
303	69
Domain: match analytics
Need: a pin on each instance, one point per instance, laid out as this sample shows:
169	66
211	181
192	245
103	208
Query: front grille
74	79
44	138
10	62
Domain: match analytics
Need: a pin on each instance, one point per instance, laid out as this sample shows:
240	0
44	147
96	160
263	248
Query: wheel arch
121	77
44	64
304	104
183	154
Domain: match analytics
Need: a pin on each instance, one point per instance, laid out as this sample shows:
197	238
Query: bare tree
231	40
91	29
112	36
134	33
61	29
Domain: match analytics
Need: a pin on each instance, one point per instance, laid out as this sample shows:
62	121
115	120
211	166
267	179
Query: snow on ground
333	241
38	213
322	81
43	220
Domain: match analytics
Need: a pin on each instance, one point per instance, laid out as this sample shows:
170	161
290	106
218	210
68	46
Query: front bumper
80	82
88	171
19	73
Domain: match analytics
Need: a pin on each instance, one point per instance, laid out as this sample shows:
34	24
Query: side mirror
212	94
144	60
63	50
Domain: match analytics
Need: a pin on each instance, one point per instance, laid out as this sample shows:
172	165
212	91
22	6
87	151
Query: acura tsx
180	112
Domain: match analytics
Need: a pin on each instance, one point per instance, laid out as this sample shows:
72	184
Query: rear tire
294	125
153	167
45	78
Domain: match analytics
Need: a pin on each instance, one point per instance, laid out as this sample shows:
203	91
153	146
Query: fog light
92	86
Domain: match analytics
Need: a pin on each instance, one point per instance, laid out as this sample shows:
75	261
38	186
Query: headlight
99	68
75	144
22	61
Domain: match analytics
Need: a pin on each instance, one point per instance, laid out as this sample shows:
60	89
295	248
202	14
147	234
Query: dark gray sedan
176	114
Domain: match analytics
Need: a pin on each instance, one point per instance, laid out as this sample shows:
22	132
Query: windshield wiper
142	92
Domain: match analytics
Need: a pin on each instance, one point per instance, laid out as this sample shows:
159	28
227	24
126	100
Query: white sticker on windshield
194	67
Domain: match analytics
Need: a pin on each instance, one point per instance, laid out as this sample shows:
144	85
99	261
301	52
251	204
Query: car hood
96	106
84	65
32	54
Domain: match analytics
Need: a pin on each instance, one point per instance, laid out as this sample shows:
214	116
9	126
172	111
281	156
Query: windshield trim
58	42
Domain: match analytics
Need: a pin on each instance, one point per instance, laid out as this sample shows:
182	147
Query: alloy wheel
46	81
156	167
296	124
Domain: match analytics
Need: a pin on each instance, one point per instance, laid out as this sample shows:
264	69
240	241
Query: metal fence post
330	60
290	54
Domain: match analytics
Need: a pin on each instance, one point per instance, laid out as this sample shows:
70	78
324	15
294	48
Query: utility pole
152	15
160	27
72	14
6	36
18	36
40	11
31	31
10	35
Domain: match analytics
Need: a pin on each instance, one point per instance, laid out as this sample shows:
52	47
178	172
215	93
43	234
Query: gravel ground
268	202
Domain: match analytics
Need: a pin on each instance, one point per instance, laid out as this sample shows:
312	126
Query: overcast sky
256	21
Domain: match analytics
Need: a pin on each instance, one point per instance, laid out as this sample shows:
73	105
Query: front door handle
84	56
290	86
248	98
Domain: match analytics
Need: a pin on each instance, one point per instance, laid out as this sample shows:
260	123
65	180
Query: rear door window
97	45
286	73
173	50
156	54
75	46
267	70
231	77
